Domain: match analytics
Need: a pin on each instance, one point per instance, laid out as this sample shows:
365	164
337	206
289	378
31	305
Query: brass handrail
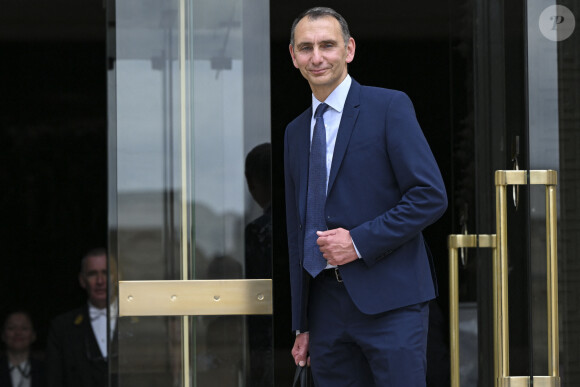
498	242
454	243
549	178
195	297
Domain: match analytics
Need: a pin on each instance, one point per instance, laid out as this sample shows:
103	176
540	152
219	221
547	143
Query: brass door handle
549	179
457	242
498	243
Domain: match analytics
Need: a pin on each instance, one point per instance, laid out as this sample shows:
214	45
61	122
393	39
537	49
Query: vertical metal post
552	281
502	180
453	313
185	350
455	242
501	318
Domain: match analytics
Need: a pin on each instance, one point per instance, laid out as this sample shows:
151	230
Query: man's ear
350	49
293	56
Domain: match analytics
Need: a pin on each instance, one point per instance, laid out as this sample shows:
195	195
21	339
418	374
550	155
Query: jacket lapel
349	116
304	155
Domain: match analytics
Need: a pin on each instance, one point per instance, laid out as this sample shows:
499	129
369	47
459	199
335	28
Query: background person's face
18	334
93	279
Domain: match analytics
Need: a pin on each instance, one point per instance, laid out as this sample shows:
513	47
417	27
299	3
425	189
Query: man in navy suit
361	315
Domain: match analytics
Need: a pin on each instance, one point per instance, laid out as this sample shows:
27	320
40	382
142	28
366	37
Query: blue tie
314	262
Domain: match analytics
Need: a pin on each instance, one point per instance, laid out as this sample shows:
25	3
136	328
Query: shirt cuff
355	249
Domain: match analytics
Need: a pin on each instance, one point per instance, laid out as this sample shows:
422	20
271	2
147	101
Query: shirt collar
22	367
337	98
95	312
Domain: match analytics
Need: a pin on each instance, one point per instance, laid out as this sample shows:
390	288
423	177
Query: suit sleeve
291	210
293	232
423	199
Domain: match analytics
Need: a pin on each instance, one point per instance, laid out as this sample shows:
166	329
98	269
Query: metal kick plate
195	298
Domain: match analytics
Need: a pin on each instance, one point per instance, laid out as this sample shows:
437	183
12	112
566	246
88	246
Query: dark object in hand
303	377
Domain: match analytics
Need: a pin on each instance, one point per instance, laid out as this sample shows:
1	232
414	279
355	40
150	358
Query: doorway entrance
200	95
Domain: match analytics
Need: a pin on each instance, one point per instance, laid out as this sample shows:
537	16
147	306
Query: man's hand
300	350
336	246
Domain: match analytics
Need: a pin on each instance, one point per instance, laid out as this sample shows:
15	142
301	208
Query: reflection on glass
554	108
231	192
147	197
192	107
258	232
544	154
258	258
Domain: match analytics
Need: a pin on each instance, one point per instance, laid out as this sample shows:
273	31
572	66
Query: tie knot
320	110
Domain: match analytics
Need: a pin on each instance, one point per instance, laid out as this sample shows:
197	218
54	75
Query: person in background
17	367
258	260
77	345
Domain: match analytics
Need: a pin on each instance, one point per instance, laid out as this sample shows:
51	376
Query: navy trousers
349	348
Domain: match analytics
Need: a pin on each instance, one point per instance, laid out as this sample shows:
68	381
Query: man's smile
318	71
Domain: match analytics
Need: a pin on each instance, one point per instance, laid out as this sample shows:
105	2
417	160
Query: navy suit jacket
384	187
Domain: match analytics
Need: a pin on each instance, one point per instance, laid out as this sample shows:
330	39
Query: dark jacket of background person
37	373
73	357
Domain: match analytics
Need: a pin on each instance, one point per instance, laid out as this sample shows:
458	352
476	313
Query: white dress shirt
99	324
20	374
332	117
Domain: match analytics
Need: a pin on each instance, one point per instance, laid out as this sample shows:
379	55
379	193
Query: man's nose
101	278
316	55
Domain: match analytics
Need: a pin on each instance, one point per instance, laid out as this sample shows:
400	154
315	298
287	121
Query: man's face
320	54
18	333
93	279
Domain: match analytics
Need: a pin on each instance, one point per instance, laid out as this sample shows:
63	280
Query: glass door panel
553	57
525	116
542	69
190	190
